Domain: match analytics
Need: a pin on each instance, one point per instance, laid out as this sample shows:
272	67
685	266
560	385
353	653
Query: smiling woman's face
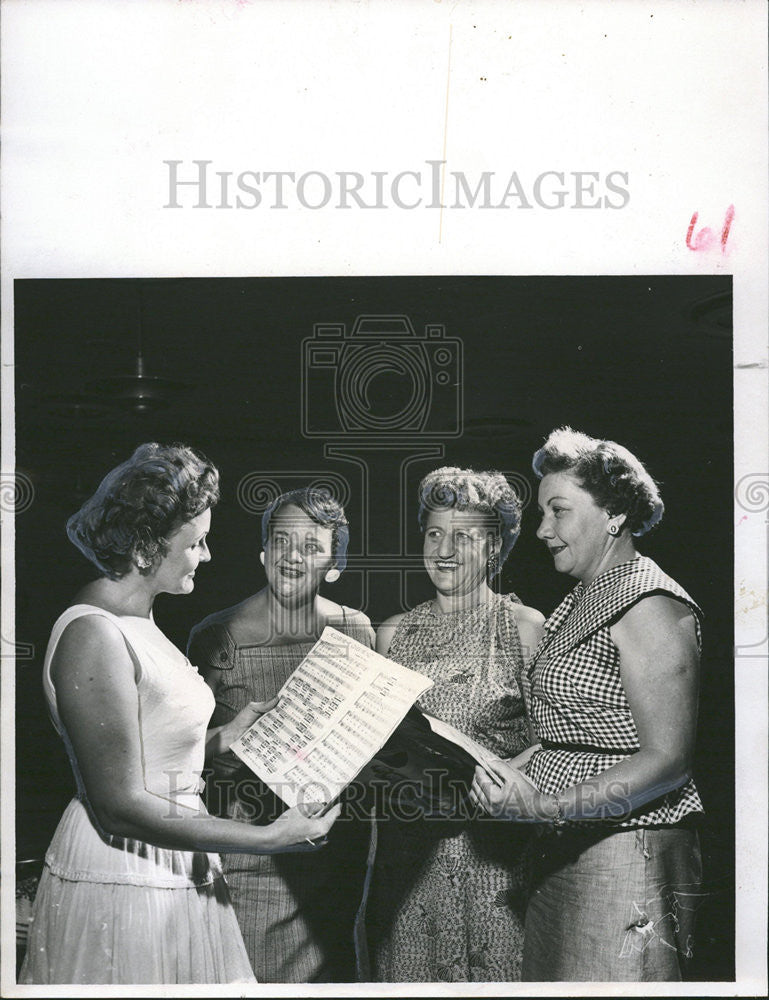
573	526
456	550
187	547
298	554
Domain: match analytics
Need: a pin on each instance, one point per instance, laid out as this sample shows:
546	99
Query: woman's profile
132	888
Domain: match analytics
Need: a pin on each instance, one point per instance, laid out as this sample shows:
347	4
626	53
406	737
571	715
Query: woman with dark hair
448	895
612	691
129	892
297	918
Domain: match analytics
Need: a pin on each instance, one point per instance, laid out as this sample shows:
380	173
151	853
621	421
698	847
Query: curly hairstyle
321	507
611	474
467	490
140	504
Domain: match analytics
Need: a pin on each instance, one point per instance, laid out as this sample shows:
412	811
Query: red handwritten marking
727	227
705	237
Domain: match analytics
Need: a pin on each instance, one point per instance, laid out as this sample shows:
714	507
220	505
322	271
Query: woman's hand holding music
503	791
304	827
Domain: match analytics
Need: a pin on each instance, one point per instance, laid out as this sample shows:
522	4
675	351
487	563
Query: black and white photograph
367	402
384	532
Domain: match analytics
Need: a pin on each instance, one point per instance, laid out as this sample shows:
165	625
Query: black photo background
240	369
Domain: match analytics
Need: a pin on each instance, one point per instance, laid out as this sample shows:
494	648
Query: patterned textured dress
296	911
448	896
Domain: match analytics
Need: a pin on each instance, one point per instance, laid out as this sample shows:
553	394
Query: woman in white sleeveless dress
131	891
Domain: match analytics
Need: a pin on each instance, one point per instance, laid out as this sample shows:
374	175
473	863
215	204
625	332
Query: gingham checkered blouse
575	694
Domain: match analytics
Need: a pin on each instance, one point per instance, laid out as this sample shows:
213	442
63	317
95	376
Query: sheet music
334	712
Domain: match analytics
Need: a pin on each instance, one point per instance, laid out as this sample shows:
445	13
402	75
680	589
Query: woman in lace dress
296	913
131	891
448	896
613	698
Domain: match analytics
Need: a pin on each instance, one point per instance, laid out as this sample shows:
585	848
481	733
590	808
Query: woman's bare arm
219	739
97	700
659	666
385	633
530	627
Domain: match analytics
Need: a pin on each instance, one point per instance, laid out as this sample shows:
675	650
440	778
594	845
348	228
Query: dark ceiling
644	360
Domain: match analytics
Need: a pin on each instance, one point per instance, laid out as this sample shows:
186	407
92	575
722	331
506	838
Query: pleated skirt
111	911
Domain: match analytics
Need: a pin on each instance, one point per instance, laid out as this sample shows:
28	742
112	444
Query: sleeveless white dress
114	910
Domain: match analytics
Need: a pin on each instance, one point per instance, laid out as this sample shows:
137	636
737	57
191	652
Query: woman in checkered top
612	695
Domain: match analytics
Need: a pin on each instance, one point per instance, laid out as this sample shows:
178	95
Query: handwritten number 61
706	237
